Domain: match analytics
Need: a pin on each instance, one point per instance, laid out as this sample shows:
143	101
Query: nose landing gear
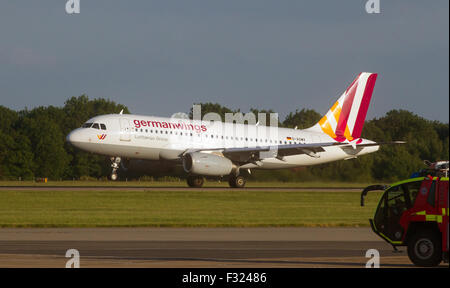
115	165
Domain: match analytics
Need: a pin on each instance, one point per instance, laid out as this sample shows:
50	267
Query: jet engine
207	164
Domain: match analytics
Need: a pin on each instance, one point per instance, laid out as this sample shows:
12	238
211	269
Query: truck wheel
425	249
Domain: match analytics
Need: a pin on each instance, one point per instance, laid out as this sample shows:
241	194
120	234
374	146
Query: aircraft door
125	129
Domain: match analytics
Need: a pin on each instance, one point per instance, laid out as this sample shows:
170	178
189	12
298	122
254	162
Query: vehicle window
86	125
396	201
95	126
380	214
103	126
411	192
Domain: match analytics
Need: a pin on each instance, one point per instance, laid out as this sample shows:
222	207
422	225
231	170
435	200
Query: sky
160	57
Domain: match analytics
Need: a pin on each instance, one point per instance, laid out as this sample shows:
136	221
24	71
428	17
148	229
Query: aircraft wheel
114	176
236	181
195	181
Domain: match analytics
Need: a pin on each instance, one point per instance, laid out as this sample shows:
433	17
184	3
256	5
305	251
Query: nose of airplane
74	137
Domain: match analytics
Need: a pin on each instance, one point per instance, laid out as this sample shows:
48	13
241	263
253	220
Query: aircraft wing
253	154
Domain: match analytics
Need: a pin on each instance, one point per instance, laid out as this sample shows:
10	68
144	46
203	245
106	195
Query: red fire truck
415	213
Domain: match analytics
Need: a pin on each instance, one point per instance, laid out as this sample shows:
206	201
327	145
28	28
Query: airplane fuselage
158	138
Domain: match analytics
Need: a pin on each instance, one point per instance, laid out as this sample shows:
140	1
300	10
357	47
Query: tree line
32	144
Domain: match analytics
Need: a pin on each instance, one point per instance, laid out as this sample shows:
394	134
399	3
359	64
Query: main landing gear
196	181
236	181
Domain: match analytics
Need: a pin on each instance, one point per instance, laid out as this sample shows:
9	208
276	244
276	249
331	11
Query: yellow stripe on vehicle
437	218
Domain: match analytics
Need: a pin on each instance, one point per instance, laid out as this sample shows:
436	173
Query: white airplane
220	149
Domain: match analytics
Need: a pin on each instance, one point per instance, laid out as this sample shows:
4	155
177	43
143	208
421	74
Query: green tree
211	108
47	143
302	119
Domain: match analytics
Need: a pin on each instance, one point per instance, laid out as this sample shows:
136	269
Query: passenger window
95	126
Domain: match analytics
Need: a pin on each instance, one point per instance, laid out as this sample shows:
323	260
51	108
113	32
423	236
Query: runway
196	247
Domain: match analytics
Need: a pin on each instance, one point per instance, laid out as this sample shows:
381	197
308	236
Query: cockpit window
94	125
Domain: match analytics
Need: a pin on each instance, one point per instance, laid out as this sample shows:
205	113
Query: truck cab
414	213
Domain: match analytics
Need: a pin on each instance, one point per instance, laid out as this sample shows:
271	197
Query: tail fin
345	119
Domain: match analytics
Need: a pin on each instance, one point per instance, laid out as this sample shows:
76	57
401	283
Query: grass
180	183
183	209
